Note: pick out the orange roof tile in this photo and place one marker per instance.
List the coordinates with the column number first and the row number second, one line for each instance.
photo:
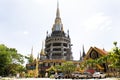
column 102, row 51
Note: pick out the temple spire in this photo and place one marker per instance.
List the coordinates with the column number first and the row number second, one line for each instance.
column 83, row 51
column 42, row 50
column 31, row 60
column 38, row 56
column 57, row 26
column 42, row 53
column 42, row 44
column 58, row 12
column 31, row 52
column 80, row 57
column 68, row 33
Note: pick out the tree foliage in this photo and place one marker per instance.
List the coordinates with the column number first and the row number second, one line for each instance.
column 115, row 56
column 58, row 67
column 68, row 67
column 10, row 61
column 30, row 58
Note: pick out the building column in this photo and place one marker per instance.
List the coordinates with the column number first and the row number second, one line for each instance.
column 62, row 49
column 51, row 50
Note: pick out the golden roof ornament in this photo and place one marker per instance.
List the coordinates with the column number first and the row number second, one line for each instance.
column 42, row 50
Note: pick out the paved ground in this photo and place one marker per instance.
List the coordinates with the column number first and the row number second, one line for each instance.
column 54, row 79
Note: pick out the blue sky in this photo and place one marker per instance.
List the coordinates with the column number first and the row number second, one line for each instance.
column 23, row 23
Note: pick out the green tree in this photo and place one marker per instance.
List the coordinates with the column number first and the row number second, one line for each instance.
column 10, row 60
column 58, row 68
column 112, row 59
column 30, row 59
column 91, row 63
column 115, row 57
column 68, row 67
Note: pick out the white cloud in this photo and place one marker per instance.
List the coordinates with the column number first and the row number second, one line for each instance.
column 99, row 21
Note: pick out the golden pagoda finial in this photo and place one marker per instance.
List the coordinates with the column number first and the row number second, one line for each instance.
column 42, row 50
column 38, row 56
column 31, row 60
column 58, row 26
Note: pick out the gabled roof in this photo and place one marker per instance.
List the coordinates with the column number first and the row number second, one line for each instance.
column 102, row 51
column 98, row 50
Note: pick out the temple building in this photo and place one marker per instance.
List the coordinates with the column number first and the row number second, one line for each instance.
column 56, row 49
column 95, row 53
column 58, row 43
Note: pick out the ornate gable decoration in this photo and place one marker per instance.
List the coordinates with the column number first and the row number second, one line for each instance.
column 95, row 53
